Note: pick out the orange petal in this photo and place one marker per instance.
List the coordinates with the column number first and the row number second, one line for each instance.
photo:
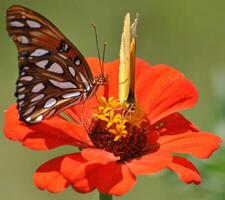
column 48, row 176
column 111, row 178
column 174, row 124
column 98, row 155
column 112, row 70
column 79, row 172
column 114, row 178
column 162, row 90
column 94, row 65
column 171, row 125
column 198, row 144
column 49, row 134
column 141, row 67
column 149, row 164
column 187, row 172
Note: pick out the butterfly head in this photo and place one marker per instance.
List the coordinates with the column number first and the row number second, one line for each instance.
column 101, row 79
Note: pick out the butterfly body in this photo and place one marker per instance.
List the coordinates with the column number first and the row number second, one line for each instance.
column 53, row 74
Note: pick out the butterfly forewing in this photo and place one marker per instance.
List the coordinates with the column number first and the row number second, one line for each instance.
column 53, row 74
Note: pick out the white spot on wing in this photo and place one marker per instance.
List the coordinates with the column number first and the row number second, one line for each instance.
column 21, row 96
column 20, row 84
column 29, row 110
column 38, row 97
column 22, row 73
column 26, row 78
column 66, row 47
column 33, row 24
column 84, row 80
column 23, row 39
column 21, row 103
column 38, row 87
column 39, row 118
column 72, row 71
column 39, row 52
column 11, row 17
column 70, row 95
column 42, row 63
column 16, row 24
column 77, row 61
column 28, row 119
column 55, row 67
column 51, row 102
column 21, row 89
column 63, row 85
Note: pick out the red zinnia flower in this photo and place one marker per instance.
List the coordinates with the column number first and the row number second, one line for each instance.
column 118, row 143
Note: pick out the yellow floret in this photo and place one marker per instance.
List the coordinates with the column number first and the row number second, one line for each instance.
column 112, row 112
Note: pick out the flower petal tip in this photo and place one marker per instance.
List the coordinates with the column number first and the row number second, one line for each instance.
column 186, row 171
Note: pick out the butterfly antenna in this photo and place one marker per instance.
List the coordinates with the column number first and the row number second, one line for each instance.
column 103, row 57
column 96, row 40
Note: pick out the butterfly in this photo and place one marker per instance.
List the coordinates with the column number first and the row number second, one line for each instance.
column 53, row 74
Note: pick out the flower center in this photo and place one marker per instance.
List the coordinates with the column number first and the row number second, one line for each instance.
column 119, row 128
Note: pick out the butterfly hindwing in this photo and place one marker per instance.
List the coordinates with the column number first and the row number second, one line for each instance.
column 53, row 73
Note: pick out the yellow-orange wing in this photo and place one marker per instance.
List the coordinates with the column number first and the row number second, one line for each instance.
column 127, row 60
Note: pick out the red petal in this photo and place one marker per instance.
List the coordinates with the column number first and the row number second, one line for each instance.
column 48, row 176
column 171, row 125
column 114, row 178
column 56, row 174
column 162, row 90
column 174, row 124
column 150, row 163
column 85, row 176
column 98, row 155
column 185, row 169
column 198, row 144
column 46, row 135
column 79, row 172
column 94, row 65
column 141, row 67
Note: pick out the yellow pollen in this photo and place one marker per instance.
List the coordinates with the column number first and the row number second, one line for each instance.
column 117, row 115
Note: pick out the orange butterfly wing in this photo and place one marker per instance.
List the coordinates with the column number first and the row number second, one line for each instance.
column 53, row 73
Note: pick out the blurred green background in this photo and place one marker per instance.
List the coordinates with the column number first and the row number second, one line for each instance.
column 186, row 34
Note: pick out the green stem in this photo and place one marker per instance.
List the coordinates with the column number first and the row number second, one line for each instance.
column 103, row 196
